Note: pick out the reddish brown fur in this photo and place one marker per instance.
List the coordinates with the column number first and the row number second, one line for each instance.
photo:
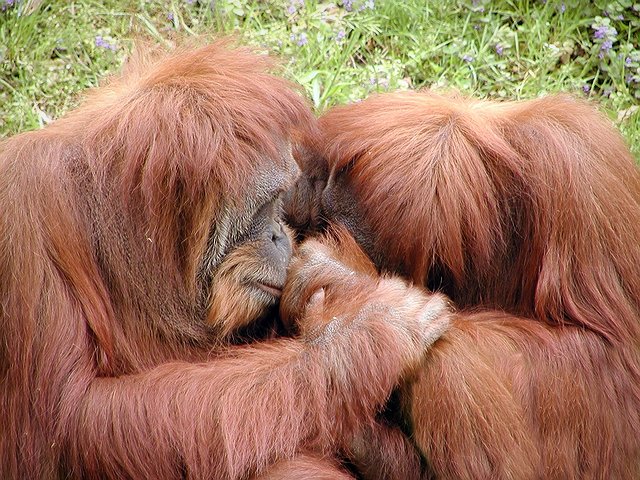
column 531, row 208
column 308, row 467
column 108, row 368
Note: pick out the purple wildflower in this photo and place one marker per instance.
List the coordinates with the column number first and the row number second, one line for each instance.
column 605, row 47
column 302, row 39
column 586, row 88
column 170, row 16
column 190, row 2
column 7, row 3
column 600, row 31
column 348, row 5
column 369, row 4
column 607, row 92
column 499, row 49
column 467, row 58
column 606, row 35
column 563, row 7
column 294, row 5
column 102, row 43
column 628, row 61
column 340, row 36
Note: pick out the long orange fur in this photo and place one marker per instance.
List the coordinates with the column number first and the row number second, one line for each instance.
column 109, row 367
column 527, row 214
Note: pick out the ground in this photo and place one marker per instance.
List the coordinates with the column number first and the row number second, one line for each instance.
column 339, row 51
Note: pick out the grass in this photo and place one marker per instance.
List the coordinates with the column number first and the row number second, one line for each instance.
column 339, row 51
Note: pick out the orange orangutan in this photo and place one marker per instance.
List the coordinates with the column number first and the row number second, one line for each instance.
column 141, row 245
column 527, row 215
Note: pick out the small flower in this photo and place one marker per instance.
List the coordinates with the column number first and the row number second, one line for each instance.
column 600, row 31
column 467, row 58
column 605, row 35
column 605, row 47
column 499, row 49
column 369, row 4
column 347, row 5
column 586, row 88
column 340, row 36
column 294, row 5
column 607, row 92
column 628, row 61
column 170, row 16
column 102, row 43
column 302, row 39
column 563, row 7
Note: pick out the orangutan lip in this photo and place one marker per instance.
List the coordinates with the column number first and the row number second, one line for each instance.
column 270, row 289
